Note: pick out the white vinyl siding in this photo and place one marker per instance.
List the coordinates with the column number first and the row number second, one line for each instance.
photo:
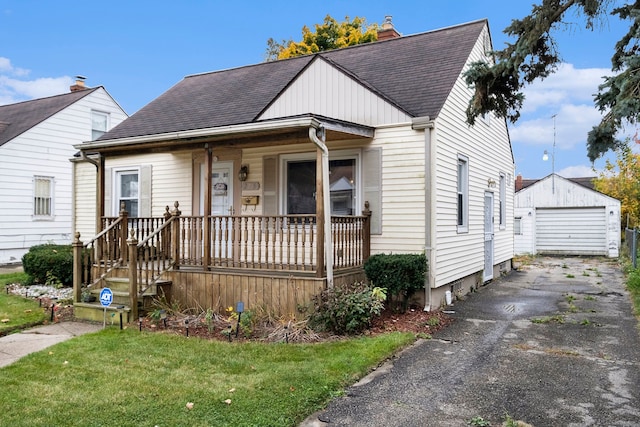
column 170, row 180
column 85, row 177
column 323, row 89
column 487, row 146
column 45, row 150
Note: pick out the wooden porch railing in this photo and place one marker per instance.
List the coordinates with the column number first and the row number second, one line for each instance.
column 287, row 243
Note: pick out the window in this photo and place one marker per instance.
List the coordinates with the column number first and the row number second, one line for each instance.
column 517, row 226
column 503, row 200
column 300, row 179
column 127, row 191
column 99, row 123
column 463, row 194
column 43, row 197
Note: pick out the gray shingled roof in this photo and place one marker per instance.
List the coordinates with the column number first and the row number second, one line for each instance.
column 18, row 118
column 415, row 73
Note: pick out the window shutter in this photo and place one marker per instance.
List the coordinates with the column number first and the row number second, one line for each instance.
column 270, row 185
column 144, row 195
column 108, row 203
column 372, row 171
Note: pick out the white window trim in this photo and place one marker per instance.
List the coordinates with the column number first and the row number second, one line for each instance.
column 464, row 227
column 333, row 155
column 502, row 201
column 107, row 124
column 116, row 188
column 51, row 215
column 517, row 231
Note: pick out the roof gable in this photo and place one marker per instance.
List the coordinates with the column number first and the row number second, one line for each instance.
column 413, row 73
column 324, row 89
column 15, row 119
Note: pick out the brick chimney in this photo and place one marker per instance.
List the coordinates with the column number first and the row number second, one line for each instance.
column 518, row 183
column 387, row 32
column 79, row 84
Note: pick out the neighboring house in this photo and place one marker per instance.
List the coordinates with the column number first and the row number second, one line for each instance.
column 560, row 216
column 265, row 159
column 36, row 143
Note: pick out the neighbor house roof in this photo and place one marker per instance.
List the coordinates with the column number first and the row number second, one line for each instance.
column 16, row 119
column 522, row 183
column 415, row 73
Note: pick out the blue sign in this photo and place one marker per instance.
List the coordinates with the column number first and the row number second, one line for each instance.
column 106, row 297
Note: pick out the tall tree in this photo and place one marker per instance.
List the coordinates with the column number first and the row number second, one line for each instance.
column 328, row 35
column 534, row 55
column 621, row 180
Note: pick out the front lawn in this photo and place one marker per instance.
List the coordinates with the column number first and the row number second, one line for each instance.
column 129, row 378
column 17, row 313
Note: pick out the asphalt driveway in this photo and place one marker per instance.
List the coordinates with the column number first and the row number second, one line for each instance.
column 554, row 344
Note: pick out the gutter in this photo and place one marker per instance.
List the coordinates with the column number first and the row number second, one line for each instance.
column 206, row 132
column 426, row 124
column 328, row 244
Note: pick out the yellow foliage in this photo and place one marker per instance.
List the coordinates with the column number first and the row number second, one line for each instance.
column 621, row 180
column 327, row 36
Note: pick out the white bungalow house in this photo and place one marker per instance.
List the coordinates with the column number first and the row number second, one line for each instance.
column 36, row 143
column 565, row 216
column 289, row 174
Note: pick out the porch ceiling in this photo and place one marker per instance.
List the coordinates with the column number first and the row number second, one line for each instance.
column 272, row 132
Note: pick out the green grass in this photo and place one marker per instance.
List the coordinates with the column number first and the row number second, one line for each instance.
column 128, row 378
column 17, row 313
column 10, row 278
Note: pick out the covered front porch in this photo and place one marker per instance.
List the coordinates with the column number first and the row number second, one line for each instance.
column 206, row 259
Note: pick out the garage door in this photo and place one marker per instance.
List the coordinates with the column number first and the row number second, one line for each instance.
column 571, row 231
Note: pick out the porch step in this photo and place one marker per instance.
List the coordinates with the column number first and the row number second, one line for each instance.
column 95, row 312
column 120, row 289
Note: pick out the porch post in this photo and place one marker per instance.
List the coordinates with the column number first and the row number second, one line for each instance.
column 132, row 244
column 320, row 255
column 77, row 267
column 366, row 232
column 175, row 235
column 206, row 255
column 124, row 230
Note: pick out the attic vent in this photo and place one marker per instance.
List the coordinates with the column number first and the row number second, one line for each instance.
column 3, row 126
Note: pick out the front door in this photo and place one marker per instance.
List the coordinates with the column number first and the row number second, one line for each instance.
column 221, row 207
column 488, row 236
column 221, row 189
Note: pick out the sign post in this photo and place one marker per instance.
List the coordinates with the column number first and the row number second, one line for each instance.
column 106, row 298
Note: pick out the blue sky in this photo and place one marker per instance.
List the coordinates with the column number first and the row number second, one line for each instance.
column 139, row 49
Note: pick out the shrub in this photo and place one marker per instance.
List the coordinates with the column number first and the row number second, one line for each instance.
column 401, row 274
column 49, row 264
column 347, row 309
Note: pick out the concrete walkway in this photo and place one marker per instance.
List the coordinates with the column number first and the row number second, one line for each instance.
column 15, row 346
column 555, row 344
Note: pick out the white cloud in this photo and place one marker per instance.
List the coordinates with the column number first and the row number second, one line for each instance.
column 14, row 87
column 567, row 94
column 578, row 171
column 7, row 68
column 566, row 85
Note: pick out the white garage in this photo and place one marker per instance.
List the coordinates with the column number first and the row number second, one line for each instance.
column 558, row 216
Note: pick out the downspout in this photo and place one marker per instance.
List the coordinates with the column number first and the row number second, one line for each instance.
column 426, row 124
column 84, row 157
column 328, row 244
